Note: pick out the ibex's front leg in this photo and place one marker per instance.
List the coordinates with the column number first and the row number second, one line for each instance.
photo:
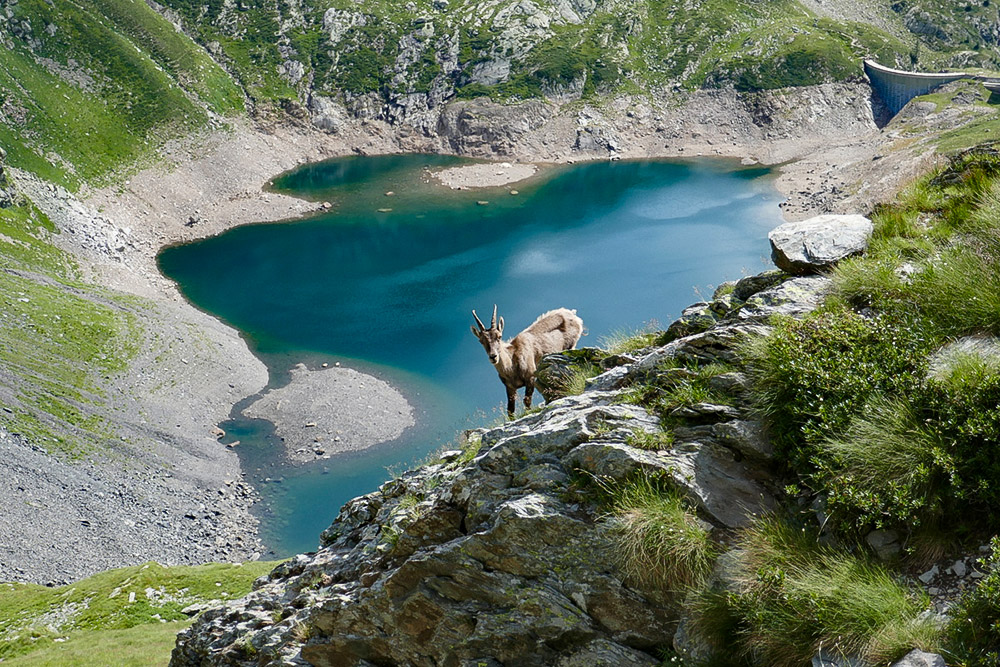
column 528, row 389
column 511, row 402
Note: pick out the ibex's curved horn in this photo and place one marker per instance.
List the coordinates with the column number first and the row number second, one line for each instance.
column 478, row 321
column 493, row 322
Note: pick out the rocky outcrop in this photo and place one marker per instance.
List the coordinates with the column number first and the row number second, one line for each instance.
column 502, row 553
column 480, row 127
column 812, row 245
column 6, row 195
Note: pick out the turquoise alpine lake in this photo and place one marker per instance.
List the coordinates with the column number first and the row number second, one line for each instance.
column 386, row 279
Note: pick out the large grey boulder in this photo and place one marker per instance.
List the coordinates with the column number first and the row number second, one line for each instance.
column 809, row 246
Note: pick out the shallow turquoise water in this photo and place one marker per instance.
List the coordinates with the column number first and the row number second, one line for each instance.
column 391, row 292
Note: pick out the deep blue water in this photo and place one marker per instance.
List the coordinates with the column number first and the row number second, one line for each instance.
column 391, row 292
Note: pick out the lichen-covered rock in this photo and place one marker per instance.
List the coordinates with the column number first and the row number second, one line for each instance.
column 809, row 246
column 793, row 298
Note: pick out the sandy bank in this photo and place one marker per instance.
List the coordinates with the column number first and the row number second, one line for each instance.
column 484, row 175
column 329, row 411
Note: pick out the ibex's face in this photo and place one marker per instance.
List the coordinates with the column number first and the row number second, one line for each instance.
column 490, row 338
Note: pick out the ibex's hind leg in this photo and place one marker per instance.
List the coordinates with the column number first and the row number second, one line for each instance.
column 528, row 389
column 511, row 402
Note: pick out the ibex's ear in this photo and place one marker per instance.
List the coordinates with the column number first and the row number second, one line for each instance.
column 474, row 331
column 500, row 326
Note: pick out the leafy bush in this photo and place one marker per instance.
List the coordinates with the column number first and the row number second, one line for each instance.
column 964, row 413
column 911, row 461
column 787, row 597
column 811, row 376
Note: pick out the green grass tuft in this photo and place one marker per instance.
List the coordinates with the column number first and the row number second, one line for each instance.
column 661, row 542
column 625, row 341
column 888, row 466
column 789, row 598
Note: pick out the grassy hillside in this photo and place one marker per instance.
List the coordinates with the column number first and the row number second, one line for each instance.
column 59, row 337
column 128, row 616
column 87, row 88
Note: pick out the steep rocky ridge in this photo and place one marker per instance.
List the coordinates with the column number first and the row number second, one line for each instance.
column 502, row 553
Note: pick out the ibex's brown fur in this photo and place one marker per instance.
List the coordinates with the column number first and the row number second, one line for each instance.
column 516, row 361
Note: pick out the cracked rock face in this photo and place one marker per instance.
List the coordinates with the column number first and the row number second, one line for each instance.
column 496, row 560
column 490, row 560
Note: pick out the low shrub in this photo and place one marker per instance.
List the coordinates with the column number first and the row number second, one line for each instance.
column 787, row 598
column 811, row 376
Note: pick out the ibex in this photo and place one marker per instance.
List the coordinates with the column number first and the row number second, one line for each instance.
column 554, row 331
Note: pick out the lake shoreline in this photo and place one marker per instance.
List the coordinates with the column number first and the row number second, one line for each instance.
column 217, row 180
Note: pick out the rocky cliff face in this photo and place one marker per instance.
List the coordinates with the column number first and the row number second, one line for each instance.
column 502, row 552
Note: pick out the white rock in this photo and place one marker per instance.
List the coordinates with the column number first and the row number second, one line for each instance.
column 808, row 246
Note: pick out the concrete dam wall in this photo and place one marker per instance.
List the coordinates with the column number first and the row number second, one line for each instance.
column 897, row 87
